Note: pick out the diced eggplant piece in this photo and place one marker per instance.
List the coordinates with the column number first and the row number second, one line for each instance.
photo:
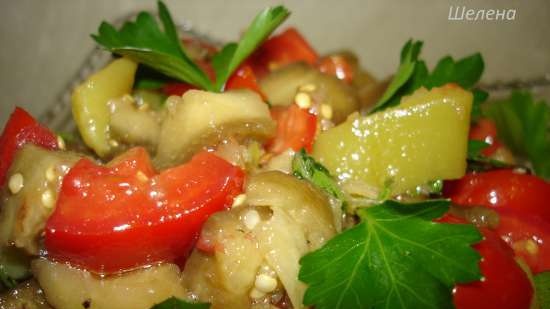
column 282, row 85
column 282, row 219
column 34, row 180
column 27, row 295
column 132, row 125
column 69, row 288
column 201, row 119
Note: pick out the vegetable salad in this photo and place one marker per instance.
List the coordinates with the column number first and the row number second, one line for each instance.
column 261, row 174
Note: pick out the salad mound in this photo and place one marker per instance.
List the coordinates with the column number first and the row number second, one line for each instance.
column 260, row 174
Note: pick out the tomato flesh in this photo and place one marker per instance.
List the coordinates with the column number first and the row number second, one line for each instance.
column 123, row 215
column 337, row 66
column 485, row 130
column 502, row 190
column 287, row 47
column 244, row 78
column 22, row 129
column 504, row 286
column 523, row 204
column 296, row 129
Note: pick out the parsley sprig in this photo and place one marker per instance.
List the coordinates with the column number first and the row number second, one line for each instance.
column 305, row 167
column 143, row 41
column 413, row 73
column 523, row 124
column 395, row 258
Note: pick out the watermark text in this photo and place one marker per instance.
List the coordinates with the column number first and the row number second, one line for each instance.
column 461, row 13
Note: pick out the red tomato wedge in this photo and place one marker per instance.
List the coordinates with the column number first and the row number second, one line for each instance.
column 502, row 190
column 337, row 66
column 485, row 130
column 523, row 204
column 529, row 237
column 504, row 286
column 287, row 47
column 244, row 78
column 123, row 215
column 296, row 129
column 22, row 129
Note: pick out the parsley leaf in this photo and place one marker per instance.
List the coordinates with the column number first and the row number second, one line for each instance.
column 475, row 148
column 232, row 54
column 395, row 258
column 305, row 167
column 523, row 124
column 542, row 287
column 175, row 303
column 409, row 55
column 480, row 96
column 413, row 74
column 477, row 161
column 144, row 42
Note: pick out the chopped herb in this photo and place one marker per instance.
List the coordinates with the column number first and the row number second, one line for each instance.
column 143, row 41
column 233, row 54
column 395, row 258
column 305, row 167
column 413, row 74
column 523, row 125
column 409, row 56
column 175, row 303
column 477, row 161
column 475, row 148
column 542, row 289
column 480, row 96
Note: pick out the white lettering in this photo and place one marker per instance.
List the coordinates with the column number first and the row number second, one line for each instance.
column 463, row 13
column 489, row 15
column 511, row 17
column 500, row 14
column 480, row 15
column 470, row 14
column 456, row 14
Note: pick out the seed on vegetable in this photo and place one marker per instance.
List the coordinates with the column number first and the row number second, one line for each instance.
column 113, row 143
column 307, row 88
column 255, row 294
column 47, row 199
column 142, row 177
column 143, row 107
column 61, row 143
column 50, row 173
column 250, row 219
column 239, row 200
column 265, row 283
column 326, row 111
column 303, row 100
column 16, row 183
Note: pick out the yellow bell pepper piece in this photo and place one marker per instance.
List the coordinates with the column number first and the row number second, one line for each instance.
column 423, row 139
column 89, row 102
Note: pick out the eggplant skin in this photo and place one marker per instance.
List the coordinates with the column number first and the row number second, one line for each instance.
column 66, row 287
column 201, row 119
column 282, row 85
column 23, row 215
column 293, row 218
